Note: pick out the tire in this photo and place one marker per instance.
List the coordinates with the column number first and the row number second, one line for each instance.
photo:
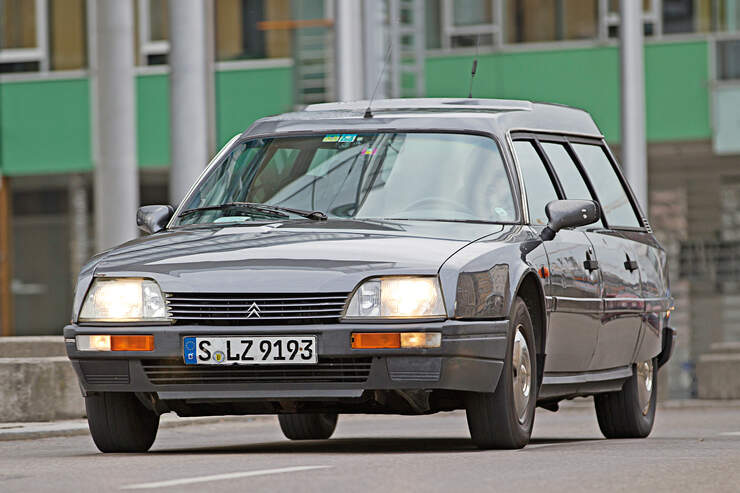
column 493, row 418
column 623, row 414
column 308, row 426
column 119, row 422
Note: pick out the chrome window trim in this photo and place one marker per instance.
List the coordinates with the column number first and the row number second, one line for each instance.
column 522, row 190
column 216, row 159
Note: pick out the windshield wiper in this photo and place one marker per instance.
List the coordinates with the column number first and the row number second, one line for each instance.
column 272, row 209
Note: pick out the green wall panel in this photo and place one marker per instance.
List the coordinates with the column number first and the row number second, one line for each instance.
column 44, row 127
column 242, row 96
column 45, row 124
column 153, row 117
column 676, row 91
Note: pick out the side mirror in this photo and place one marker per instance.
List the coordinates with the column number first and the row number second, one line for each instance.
column 569, row 214
column 153, row 218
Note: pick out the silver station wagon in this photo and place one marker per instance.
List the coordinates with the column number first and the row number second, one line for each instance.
column 422, row 255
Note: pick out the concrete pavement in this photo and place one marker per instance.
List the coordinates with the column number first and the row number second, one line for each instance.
column 691, row 448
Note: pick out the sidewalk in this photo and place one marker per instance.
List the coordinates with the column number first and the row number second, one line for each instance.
column 30, row 431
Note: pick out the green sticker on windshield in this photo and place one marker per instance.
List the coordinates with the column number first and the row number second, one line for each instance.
column 331, row 138
column 348, row 138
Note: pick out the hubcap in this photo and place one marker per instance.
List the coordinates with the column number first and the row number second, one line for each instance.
column 521, row 374
column 644, row 385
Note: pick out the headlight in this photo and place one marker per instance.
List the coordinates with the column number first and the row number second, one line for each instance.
column 397, row 297
column 123, row 300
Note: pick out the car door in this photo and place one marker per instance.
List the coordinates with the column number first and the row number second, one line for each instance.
column 620, row 314
column 573, row 290
column 618, row 257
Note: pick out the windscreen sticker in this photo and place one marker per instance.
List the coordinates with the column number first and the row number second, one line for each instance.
column 331, row 138
column 369, row 152
column 348, row 138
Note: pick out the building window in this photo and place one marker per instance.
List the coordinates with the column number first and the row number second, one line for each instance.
column 547, row 20
column 22, row 45
column 728, row 59
column 469, row 23
column 42, row 35
column 247, row 29
column 153, row 32
column 67, row 34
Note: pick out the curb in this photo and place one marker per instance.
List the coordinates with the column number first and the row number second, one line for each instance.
column 32, row 431
column 580, row 403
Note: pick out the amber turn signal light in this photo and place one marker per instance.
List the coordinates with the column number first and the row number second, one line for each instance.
column 376, row 340
column 395, row 340
column 132, row 343
column 115, row 343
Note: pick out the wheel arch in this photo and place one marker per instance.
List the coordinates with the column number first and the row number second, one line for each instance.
column 531, row 291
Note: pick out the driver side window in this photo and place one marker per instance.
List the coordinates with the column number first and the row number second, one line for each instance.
column 537, row 182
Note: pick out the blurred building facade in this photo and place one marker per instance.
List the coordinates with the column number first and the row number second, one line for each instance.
column 275, row 55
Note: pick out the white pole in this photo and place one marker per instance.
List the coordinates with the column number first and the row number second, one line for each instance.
column 373, row 34
column 189, row 90
column 634, row 147
column 116, row 173
column 349, row 51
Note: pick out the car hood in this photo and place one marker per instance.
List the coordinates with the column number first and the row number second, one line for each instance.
column 296, row 256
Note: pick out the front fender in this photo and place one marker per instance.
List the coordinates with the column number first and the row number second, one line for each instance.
column 481, row 280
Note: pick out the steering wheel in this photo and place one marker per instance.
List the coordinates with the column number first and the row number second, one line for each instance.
column 426, row 202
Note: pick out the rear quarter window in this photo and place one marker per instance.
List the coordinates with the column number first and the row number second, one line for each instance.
column 613, row 197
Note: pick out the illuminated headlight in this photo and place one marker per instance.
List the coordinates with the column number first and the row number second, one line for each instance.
column 397, row 297
column 123, row 300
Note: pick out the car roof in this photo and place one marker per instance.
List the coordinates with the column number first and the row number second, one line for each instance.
column 496, row 116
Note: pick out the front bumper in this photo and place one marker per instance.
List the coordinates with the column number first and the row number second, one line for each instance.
column 470, row 358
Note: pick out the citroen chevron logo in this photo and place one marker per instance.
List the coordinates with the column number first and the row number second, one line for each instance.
column 254, row 311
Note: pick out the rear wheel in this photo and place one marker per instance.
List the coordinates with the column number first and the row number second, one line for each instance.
column 630, row 413
column 119, row 422
column 319, row 426
column 504, row 419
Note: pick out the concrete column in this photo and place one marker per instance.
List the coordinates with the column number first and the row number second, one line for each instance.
column 373, row 39
column 189, row 90
column 348, row 36
column 114, row 111
column 6, row 259
column 78, row 224
column 634, row 150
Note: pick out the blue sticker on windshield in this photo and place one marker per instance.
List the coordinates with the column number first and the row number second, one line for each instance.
column 331, row 138
column 348, row 138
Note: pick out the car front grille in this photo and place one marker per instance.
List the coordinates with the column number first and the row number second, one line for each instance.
column 333, row 370
column 255, row 309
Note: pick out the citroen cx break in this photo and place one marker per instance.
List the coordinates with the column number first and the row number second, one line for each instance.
column 418, row 256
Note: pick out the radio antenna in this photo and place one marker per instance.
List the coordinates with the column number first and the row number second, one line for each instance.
column 475, row 67
column 368, row 111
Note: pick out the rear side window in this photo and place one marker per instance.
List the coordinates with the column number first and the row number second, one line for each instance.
column 537, row 182
column 612, row 195
column 567, row 171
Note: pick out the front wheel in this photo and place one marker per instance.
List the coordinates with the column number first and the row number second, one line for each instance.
column 504, row 419
column 119, row 422
column 630, row 413
column 319, row 426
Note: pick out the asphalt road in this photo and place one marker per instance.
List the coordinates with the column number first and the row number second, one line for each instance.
column 690, row 449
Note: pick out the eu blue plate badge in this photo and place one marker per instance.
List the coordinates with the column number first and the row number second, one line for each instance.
column 188, row 345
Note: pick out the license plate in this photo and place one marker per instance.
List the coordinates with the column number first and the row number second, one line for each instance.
column 250, row 350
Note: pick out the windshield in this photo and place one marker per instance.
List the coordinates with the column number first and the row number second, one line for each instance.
column 360, row 176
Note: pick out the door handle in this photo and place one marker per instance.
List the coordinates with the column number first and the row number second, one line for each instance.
column 590, row 264
column 629, row 264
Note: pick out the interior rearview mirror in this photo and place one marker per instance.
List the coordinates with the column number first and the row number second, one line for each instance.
column 153, row 218
column 569, row 214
